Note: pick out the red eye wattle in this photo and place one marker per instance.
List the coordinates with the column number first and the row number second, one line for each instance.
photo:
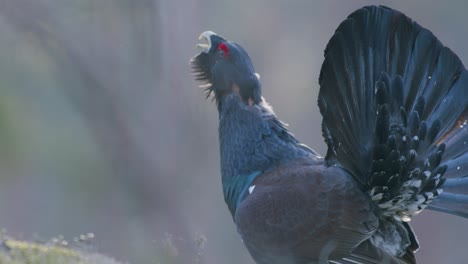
column 224, row 48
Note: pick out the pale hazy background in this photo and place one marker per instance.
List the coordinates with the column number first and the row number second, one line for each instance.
column 103, row 130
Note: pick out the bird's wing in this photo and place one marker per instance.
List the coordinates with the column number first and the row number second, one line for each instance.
column 394, row 103
column 366, row 253
column 305, row 211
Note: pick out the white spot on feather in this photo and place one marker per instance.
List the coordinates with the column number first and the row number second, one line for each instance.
column 251, row 188
column 386, row 205
column 427, row 174
column 429, row 195
column 420, row 198
column 405, row 218
column 377, row 197
column 464, row 123
column 413, row 183
column 205, row 85
column 427, row 163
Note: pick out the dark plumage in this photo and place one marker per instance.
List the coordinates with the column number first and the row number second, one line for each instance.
column 394, row 103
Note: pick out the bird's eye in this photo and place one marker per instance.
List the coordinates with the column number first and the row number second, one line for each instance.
column 224, row 48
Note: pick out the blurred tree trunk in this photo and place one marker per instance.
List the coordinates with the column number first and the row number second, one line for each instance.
column 102, row 92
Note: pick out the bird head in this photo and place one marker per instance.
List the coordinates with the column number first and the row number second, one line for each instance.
column 224, row 69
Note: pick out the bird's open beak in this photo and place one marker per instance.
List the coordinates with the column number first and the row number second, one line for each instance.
column 207, row 36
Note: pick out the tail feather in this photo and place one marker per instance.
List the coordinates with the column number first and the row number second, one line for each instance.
column 456, row 138
column 454, row 198
column 456, row 168
column 457, row 185
column 394, row 102
column 451, row 203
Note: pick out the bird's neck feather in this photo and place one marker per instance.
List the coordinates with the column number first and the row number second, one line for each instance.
column 241, row 131
column 252, row 140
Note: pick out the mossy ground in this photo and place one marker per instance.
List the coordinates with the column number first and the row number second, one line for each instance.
column 14, row 251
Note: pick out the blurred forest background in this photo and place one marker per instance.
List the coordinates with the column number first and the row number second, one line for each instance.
column 103, row 130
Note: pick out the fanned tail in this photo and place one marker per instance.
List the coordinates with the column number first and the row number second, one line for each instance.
column 394, row 102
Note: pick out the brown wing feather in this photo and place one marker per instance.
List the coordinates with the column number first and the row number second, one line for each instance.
column 306, row 212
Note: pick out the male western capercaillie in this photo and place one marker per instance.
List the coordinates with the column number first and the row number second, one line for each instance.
column 394, row 103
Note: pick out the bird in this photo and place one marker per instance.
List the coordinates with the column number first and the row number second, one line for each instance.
column 394, row 102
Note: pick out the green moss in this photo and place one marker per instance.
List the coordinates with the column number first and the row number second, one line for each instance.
column 22, row 252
